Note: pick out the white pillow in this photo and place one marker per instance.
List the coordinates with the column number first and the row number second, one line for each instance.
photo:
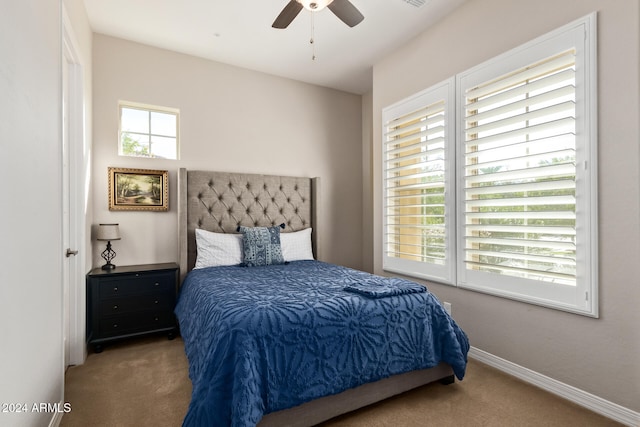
column 296, row 246
column 218, row 249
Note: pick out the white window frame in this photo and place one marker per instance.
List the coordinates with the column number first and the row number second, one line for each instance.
column 583, row 297
column 149, row 109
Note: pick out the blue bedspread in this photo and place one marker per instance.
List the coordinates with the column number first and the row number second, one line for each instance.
column 262, row 339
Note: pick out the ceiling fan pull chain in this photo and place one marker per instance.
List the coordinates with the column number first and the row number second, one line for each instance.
column 312, row 41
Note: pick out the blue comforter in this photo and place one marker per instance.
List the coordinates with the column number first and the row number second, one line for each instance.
column 262, row 339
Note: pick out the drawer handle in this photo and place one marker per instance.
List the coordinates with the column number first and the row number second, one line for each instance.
column 156, row 301
column 156, row 284
column 115, row 307
column 157, row 319
column 115, row 289
column 115, row 325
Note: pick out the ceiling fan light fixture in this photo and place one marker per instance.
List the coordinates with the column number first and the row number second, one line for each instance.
column 343, row 9
column 314, row 5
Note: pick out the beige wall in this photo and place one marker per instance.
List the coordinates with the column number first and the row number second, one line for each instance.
column 367, row 182
column 234, row 120
column 600, row 356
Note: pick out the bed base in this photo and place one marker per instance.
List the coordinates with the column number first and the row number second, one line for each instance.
column 325, row 408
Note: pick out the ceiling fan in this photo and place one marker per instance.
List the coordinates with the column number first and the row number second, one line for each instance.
column 343, row 9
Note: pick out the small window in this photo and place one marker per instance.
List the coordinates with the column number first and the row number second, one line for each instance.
column 148, row 131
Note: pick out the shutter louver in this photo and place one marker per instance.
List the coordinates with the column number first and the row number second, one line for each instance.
column 520, row 173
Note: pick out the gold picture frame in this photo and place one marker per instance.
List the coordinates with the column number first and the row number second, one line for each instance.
column 138, row 189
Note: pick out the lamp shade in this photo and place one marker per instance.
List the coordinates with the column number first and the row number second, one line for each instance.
column 108, row 232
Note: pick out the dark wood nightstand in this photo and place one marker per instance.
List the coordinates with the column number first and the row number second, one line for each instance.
column 129, row 301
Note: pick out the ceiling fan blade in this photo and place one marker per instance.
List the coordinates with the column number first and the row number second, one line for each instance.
column 346, row 11
column 287, row 15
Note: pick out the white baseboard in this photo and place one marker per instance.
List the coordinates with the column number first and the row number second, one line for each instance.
column 594, row 403
column 56, row 420
column 57, row 415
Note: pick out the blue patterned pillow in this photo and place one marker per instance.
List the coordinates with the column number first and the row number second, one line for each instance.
column 261, row 246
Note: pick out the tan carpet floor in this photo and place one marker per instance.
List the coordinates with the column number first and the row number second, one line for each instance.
column 144, row 382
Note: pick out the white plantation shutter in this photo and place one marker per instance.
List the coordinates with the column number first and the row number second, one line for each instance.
column 525, row 193
column 519, row 186
column 506, row 205
column 417, row 153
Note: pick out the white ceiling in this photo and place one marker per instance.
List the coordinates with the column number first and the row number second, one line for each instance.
column 239, row 32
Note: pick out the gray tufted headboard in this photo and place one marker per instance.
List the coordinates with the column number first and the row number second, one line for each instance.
column 221, row 201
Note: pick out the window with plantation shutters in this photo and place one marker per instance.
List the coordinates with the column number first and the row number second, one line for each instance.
column 507, row 203
column 526, row 174
column 417, row 152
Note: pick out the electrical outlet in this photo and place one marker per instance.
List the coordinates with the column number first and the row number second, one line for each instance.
column 447, row 307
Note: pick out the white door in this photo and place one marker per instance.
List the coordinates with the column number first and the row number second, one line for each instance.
column 65, row 210
column 73, row 223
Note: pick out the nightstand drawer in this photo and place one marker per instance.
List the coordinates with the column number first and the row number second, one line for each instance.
column 136, row 303
column 135, row 284
column 135, row 322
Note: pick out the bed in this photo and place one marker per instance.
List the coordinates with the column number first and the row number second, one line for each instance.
column 294, row 343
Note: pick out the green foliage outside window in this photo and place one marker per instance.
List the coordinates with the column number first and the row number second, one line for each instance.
column 131, row 147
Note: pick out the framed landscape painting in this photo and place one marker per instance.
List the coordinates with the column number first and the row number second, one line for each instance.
column 138, row 189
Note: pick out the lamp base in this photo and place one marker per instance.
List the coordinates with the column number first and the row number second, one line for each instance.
column 108, row 254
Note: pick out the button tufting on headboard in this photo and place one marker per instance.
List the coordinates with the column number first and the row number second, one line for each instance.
column 220, row 202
